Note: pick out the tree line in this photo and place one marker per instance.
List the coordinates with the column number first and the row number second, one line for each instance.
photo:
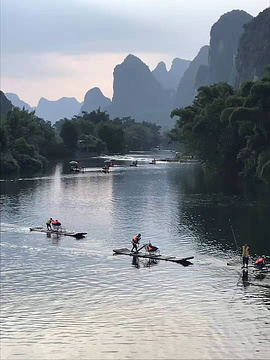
column 96, row 132
column 28, row 142
column 229, row 130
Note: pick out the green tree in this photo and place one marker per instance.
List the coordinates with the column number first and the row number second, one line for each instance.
column 227, row 130
column 69, row 134
column 112, row 135
column 3, row 139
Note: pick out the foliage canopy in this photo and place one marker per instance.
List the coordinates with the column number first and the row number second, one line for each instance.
column 229, row 130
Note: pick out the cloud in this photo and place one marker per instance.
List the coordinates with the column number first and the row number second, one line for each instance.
column 56, row 48
column 72, row 27
column 102, row 26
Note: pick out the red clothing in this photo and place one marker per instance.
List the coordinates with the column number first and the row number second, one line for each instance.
column 55, row 222
column 260, row 261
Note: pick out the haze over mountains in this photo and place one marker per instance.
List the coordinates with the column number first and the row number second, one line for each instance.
column 16, row 101
column 170, row 79
column 224, row 40
column 186, row 90
column 59, row 109
column 239, row 49
column 138, row 94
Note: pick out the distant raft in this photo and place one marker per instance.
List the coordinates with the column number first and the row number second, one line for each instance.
column 77, row 235
column 182, row 261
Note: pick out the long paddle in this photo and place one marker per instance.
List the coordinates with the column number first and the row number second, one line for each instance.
column 237, row 247
column 140, row 249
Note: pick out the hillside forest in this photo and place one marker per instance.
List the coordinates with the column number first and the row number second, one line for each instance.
column 229, row 130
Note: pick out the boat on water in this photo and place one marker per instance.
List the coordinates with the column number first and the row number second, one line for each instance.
column 74, row 170
column 105, row 169
column 74, row 167
column 147, row 255
column 134, row 163
column 109, row 163
column 77, row 235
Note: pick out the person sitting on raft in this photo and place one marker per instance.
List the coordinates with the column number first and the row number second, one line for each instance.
column 260, row 263
column 56, row 225
column 48, row 223
column 151, row 248
column 135, row 242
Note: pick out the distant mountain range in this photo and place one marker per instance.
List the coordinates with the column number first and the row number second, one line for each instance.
column 64, row 107
column 186, row 90
column 17, row 102
column 239, row 49
column 138, row 94
column 59, row 109
column 224, row 40
column 94, row 99
column 170, row 79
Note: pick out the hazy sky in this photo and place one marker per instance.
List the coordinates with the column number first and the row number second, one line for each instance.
column 57, row 48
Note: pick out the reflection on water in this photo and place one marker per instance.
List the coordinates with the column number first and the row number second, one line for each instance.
column 210, row 206
column 64, row 298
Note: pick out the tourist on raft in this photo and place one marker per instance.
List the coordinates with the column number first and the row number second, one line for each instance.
column 56, row 224
column 48, row 223
column 135, row 242
column 151, row 248
column 260, row 263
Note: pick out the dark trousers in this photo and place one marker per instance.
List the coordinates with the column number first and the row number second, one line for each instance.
column 245, row 261
column 49, row 227
column 134, row 247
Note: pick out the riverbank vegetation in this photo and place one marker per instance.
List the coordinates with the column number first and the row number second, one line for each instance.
column 96, row 132
column 27, row 142
column 229, row 130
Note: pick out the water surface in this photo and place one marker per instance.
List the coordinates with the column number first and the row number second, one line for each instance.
column 64, row 298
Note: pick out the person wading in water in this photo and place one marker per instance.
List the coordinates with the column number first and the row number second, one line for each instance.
column 245, row 255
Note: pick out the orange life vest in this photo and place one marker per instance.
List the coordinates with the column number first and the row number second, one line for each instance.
column 135, row 239
column 56, row 222
column 260, row 261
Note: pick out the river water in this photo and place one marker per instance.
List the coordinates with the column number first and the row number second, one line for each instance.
column 63, row 298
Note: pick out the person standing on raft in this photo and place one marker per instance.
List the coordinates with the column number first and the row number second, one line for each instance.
column 245, row 255
column 48, row 224
column 135, row 242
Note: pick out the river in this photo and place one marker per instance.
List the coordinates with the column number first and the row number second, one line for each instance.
column 63, row 298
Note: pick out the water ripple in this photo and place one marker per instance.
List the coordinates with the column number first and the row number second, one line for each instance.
column 65, row 299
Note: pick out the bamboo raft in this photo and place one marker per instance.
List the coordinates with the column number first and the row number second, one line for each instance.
column 182, row 261
column 77, row 235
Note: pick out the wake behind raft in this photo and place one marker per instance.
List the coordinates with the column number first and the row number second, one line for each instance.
column 182, row 261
